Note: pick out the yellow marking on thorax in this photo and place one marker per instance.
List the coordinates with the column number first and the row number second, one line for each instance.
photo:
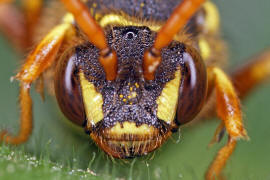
column 68, row 18
column 131, row 128
column 167, row 101
column 93, row 101
column 211, row 18
column 122, row 20
column 204, row 48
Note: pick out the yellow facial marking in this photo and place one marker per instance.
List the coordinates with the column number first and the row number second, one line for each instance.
column 211, row 18
column 124, row 21
column 137, row 85
column 204, row 48
column 167, row 101
column 93, row 101
column 131, row 128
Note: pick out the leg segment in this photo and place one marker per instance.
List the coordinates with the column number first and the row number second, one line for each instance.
column 43, row 55
column 219, row 133
column 220, row 160
column 229, row 111
column 26, row 118
column 36, row 63
column 250, row 75
column 244, row 79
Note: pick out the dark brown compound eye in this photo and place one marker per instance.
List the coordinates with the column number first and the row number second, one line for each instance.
column 67, row 88
column 193, row 89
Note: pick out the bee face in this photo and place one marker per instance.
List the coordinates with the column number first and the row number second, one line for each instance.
column 125, row 113
column 129, row 116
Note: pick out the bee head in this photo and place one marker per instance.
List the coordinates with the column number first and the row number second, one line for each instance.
column 130, row 116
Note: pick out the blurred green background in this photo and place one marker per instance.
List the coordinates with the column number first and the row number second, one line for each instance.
column 246, row 28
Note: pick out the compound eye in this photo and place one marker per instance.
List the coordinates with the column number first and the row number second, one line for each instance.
column 67, row 88
column 193, row 89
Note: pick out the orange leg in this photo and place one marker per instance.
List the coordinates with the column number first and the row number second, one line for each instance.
column 19, row 26
column 229, row 111
column 36, row 63
column 219, row 133
column 26, row 118
column 249, row 76
column 214, row 171
column 245, row 79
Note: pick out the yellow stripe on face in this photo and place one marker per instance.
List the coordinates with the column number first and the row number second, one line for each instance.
column 131, row 128
column 93, row 101
column 125, row 21
column 167, row 101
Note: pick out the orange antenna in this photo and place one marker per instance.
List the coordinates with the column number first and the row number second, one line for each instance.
column 108, row 57
column 179, row 18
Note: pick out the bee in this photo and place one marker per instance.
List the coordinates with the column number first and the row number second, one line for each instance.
column 132, row 72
